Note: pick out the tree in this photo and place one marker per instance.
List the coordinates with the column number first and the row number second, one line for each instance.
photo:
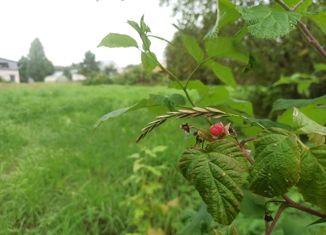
column 23, row 68
column 272, row 56
column 89, row 64
column 38, row 66
column 110, row 70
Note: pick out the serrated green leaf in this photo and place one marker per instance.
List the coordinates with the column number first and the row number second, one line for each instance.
column 269, row 23
column 171, row 101
column 228, row 13
column 145, row 28
column 307, row 125
column 208, row 95
column 319, row 19
column 229, row 147
column 113, row 40
column 312, row 184
column 281, row 104
column 217, row 177
column 226, row 47
column 193, row 48
column 142, row 29
column 146, row 42
column 277, row 165
column 222, row 72
column 149, row 61
column 135, row 25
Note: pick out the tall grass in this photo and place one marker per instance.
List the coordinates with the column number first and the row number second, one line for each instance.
column 58, row 175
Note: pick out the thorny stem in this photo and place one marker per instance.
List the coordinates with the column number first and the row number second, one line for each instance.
column 282, row 207
column 304, row 29
column 308, row 210
column 246, row 153
column 272, row 201
column 290, row 203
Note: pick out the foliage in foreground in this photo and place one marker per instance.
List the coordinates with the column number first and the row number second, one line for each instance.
column 277, row 159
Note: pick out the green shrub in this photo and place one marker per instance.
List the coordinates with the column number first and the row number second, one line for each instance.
column 97, row 79
column 135, row 74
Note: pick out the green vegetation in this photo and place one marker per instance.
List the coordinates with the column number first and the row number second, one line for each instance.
column 58, row 175
column 275, row 153
column 35, row 65
column 245, row 175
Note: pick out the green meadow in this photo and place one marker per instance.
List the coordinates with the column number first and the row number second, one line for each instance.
column 58, row 174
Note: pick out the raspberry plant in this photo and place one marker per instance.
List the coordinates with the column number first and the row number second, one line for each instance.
column 240, row 152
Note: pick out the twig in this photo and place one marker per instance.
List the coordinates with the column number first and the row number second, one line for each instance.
column 308, row 210
column 303, row 27
column 281, row 208
column 246, row 153
column 160, row 38
column 296, row 6
column 311, row 38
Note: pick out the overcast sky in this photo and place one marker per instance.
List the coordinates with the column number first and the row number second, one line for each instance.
column 68, row 28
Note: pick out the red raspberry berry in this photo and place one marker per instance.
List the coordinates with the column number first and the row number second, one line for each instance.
column 216, row 129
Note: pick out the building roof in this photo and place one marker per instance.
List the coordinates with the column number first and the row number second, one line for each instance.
column 12, row 61
column 6, row 64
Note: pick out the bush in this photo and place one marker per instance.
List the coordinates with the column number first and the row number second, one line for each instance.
column 97, row 79
column 134, row 74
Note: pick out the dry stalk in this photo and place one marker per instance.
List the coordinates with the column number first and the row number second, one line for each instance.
column 182, row 113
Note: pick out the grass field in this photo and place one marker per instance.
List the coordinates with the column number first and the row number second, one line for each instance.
column 58, row 175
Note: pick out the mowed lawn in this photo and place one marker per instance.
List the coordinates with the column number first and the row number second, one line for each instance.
column 58, row 175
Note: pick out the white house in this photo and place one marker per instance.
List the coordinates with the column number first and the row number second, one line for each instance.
column 76, row 77
column 56, row 77
column 9, row 71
